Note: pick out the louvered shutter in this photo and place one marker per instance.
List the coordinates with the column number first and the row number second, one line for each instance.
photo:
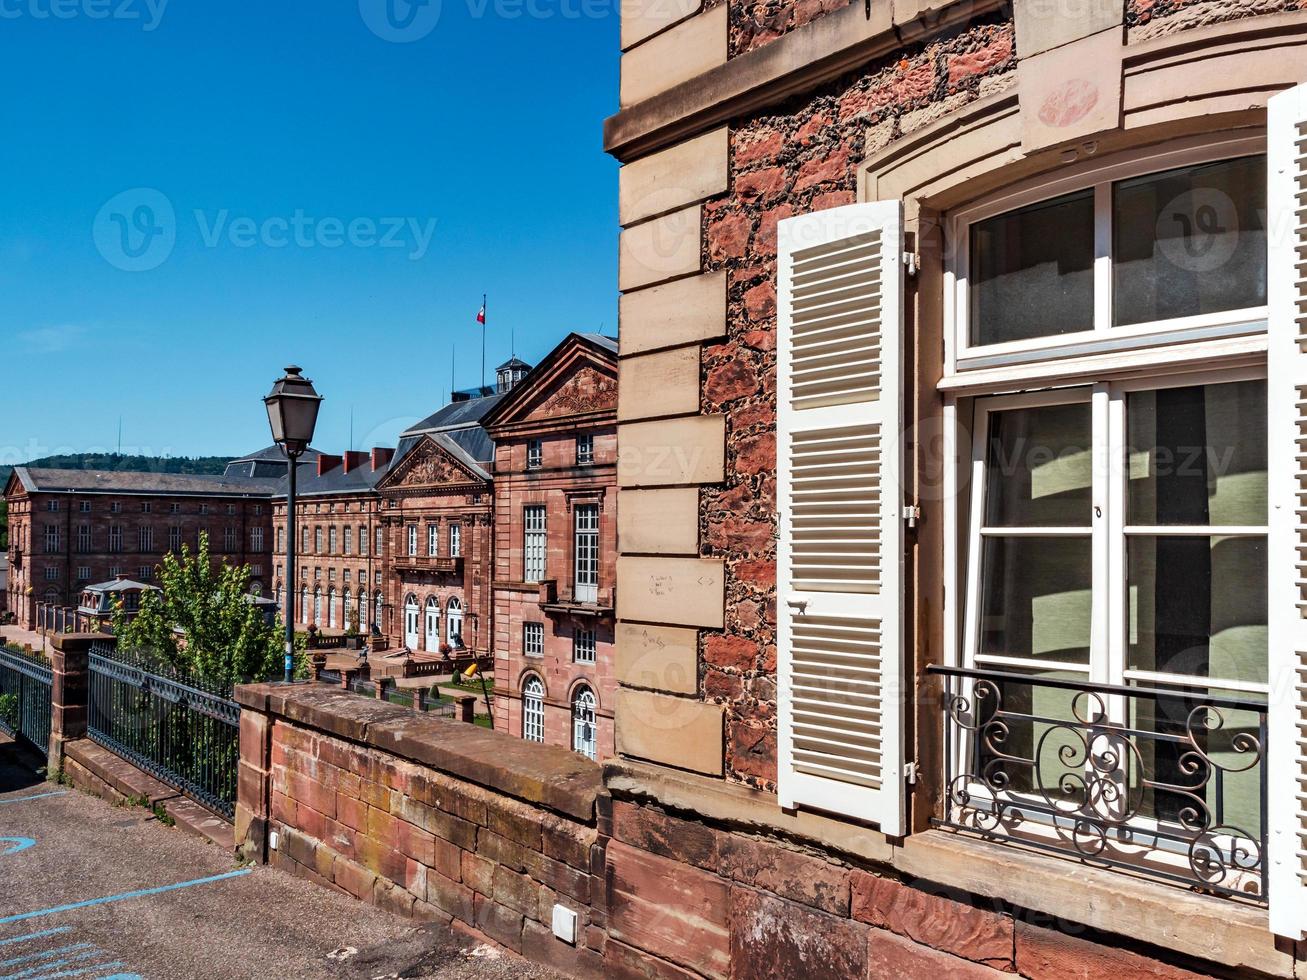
column 1287, row 475
column 839, row 558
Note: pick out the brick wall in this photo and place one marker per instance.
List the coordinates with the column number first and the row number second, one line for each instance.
column 425, row 817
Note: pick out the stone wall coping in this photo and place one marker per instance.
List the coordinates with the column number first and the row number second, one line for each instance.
column 78, row 641
column 1212, row 929
column 803, row 59
column 546, row 775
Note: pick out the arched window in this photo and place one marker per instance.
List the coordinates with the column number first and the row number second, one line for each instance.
column 304, row 603
column 454, row 623
column 317, row 605
column 584, row 737
column 344, row 605
column 432, row 624
column 331, row 607
column 376, row 616
column 533, row 710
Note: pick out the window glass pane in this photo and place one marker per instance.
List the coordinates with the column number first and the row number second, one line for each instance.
column 1198, row 455
column 1039, row 467
column 1036, row 598
column 1032, row 271
column 1198, row 606
column 1190, row 241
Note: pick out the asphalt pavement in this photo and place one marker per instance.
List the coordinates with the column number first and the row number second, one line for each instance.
column 102, row 892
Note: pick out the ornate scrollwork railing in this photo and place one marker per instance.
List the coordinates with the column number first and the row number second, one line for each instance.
column 1169, row 783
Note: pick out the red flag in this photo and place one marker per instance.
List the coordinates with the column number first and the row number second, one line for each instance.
column 481, row 315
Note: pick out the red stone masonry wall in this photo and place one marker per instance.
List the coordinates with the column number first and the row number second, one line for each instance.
column 689, row 899
column 425, row 817
column 755, row 23
column 785, row 164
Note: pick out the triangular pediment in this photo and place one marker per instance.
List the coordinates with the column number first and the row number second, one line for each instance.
column 429, row 466
column 579, row 377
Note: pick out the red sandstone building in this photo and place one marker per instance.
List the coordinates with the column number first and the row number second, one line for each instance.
column 555, row 542
column 71, row 528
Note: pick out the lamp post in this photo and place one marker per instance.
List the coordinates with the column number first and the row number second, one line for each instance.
column 293, row 414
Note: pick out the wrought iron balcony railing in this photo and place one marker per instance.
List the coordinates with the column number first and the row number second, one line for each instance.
column 1164, row 782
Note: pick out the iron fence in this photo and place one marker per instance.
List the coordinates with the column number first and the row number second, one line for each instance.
column 25, row 684
column 1166, row 782
column 183, row 730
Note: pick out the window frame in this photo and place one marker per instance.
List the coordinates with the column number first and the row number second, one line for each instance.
column 1109, row 533
column 532, row 534
column 534, row 630
column 962, row 357
column 533, row 709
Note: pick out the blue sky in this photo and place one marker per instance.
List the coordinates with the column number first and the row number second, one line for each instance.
column 194, row 193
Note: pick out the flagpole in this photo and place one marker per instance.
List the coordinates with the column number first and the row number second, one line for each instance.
column 483, row 340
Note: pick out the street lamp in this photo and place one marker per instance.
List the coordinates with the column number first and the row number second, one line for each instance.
column 292, row 413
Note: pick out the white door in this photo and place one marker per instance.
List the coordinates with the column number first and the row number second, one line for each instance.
column 454, row 626
column 587, row 553
column 411, row 623
column 433, row 624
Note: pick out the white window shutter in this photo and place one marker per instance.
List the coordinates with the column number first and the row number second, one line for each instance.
column 1286, row 202
column 839, row 558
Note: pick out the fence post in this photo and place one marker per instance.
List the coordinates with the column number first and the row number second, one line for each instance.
column 384, row 684
column 467, row 705
column 70, row 690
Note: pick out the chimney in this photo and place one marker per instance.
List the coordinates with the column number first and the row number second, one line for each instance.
column 327, row 463
column 354, row 459
column 380, row 458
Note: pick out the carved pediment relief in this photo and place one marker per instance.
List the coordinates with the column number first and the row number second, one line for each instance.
column 588, row 390
column 428, row 466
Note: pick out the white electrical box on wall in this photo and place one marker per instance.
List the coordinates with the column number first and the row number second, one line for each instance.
column 565, row 924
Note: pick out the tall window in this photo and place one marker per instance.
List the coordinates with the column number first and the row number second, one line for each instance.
column 533, row 551
column 378, row 606
column 584, row 739
column 349, row 540
column 533, row 710
column 174, row 539
column 304, row 540
column 115, row 538
column 331, row 540
column 585, row 449
column 587, row 553
column 256, row 539
column 317, row 606
column 412, row 540
column 433, row 540
column 363, row 540
column 533, row 639
column 145, row 539
column 381, row 542
column 317, row 540
column 583, row 646
column 535, row 454
column 52, row 539
column 454, row 622
column 229, row 539
column 84, row 538
column 455, row 540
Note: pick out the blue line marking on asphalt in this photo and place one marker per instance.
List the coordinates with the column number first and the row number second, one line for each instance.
column 28, row 957
column 38, row 796
column 35, row 935
column 20, row 844
column 33, row 970
column 89, row 969
column 142, row 893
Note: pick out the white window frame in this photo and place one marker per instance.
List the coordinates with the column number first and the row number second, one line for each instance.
column 583, row 646
column 533, row 709
column 585, row 549
column 533, row 640
column 585, row 722
column 535, row 454
column 1046, row 356
column 455, row 540
column 433, row 540
column 412, row 540
column 535, row 543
